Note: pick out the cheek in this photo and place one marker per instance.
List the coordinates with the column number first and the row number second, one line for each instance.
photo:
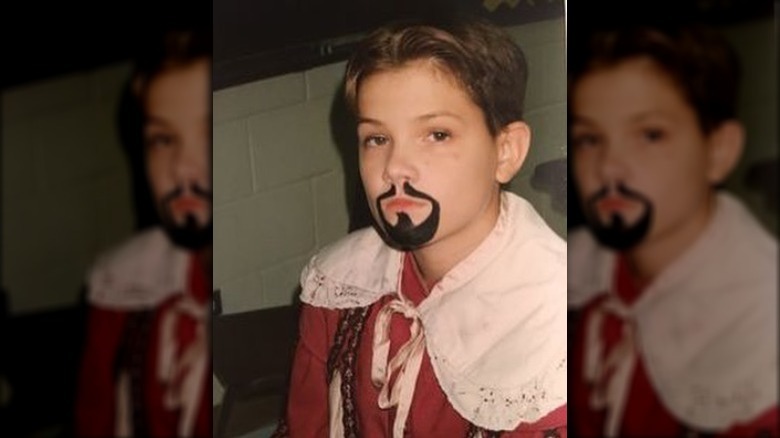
column 158, row 175
column 370, row 187
column 675, row 198
column 368, row 182
column 371, row 167
column 582, row 172
column 678, row 180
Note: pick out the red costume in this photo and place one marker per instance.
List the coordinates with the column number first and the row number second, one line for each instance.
column 146, row 368
column 358, row 367
column 706, row 326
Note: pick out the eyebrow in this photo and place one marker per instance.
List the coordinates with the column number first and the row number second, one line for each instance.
column 368, row 120
column 583, row 120
column 649, row 114
column 152, row 120
column 155, row 120
column 580, row 120
column 439, row 114
column 421, row 118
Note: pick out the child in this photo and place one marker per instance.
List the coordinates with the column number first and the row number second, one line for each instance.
column 447, row 318
column 146, row 363
column 676, row 280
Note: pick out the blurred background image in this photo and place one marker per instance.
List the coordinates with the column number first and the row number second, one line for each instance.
column 73, row 186
column 672, row 275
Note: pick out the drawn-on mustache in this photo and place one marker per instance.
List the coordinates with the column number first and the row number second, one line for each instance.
column 622, row 189
column 408, row 190
column 615, row 232
column 197, row 190
column 404, row 233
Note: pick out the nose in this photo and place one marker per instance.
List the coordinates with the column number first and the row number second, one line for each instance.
column 613, row 165
column 191, row 162
column 399, row 165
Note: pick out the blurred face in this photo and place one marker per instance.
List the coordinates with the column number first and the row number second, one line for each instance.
column 641, row 161
column 177, row 138
column 427, row 160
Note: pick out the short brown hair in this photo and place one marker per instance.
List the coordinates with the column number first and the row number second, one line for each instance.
column 481, row 57
column 169, row 48
column 699, row 60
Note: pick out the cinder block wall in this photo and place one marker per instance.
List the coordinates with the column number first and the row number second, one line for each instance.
column 65, row 185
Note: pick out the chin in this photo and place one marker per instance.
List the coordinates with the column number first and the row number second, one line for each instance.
column 201, row 220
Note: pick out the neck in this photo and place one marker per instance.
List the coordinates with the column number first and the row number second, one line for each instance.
column 438, row 258
column 648, row 260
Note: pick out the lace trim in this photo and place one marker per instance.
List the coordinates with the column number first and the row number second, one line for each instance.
column 319, row 290
column 282, row 430
column 505, row 409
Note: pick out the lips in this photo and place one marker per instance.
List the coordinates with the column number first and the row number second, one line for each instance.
column 187, row 203
column 612, row 204
column 401, row 204
column 604, row 212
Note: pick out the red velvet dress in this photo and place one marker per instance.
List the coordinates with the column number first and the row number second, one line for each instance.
column 121, row 339
column 430, row 415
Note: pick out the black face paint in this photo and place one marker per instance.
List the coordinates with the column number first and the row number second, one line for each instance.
column 617, row 234
column 404, row 234
column 190, row 235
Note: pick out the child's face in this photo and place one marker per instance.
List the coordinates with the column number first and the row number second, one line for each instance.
column 427, row 160
column 641, row 161
column 178, row 149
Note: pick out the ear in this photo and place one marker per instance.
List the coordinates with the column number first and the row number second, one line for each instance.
column 512, row 142
column 726, row 144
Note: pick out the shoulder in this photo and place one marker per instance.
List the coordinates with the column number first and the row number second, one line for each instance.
column 142, row 271
column 703, row 375
column 751, row 247
column 590, row 268
column 531, row 224
column 352, row 272
column 504, row 305
column 526, row 238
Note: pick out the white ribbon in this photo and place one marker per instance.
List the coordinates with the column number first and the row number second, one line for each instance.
column 183, row 376
column 406, row 361
column 336, row 411
column 611, row 377
column 123, row 424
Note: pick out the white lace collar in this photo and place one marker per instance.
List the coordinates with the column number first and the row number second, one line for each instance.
column 495, row 325
column 706, row 326
column 140, row 273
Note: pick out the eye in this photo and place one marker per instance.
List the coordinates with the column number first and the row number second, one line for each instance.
column 585, row 140
column 653, row 135
column 375, row 140
column 439, row 136
column 157, row 140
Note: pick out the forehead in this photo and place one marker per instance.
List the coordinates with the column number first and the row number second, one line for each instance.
column 415, row 83
column 179, row 91
column 626, row 88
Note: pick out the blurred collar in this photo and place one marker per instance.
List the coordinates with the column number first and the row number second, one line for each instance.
column 698, row 323
column 140, row 273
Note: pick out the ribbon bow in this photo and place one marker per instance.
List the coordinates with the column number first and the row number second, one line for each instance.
column 406, row 361
column 183, row 375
